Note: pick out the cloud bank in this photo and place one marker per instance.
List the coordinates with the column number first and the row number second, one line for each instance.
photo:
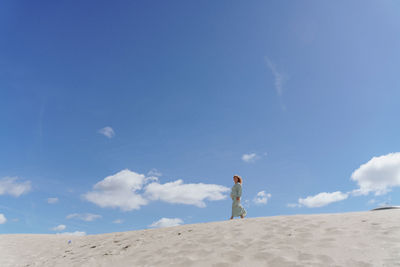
column 191, row 194
column 128, row 190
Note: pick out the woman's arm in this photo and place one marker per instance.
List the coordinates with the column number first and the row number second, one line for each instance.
column 238, row 192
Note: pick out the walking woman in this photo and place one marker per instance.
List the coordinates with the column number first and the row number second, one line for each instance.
column 237, row 208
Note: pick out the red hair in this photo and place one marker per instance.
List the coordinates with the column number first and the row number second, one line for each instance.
column 240, row 180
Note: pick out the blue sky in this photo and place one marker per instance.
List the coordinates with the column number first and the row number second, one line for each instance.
column 169, row 99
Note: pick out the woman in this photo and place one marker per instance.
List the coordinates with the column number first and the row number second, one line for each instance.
column 237, row 208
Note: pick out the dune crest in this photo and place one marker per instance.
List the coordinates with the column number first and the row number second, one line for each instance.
column 347, row 239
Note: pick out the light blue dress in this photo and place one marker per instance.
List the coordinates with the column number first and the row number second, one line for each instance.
column 237, row 208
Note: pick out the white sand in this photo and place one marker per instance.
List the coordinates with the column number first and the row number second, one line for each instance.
column 351, row 239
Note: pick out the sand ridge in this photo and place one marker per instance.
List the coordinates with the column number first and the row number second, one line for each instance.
column 348, row 239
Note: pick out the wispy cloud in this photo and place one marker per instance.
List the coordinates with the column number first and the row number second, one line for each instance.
column 87, row 217
column 52, row 200
column 60, row 227
column 118, row 221
column 262, row 198
column 107, row 132
column 249, row 157
column 154, row 172
column 280, row 77
column 3, row 218
column 252, row 157
column 12, row 186
column 166, row 222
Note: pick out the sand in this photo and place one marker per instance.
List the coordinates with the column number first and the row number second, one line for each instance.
column 349, row 239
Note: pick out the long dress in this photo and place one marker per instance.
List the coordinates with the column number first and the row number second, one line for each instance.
column 237, row 208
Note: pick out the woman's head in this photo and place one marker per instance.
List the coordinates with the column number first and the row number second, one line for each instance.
column 237, row 179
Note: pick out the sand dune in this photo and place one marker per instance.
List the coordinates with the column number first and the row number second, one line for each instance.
column 350, row 239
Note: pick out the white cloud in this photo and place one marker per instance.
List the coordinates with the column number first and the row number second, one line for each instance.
column 118, row 221
column 52, row 200
column 60, row 227
column 123, row 191
column 280, row 78
column 76, row 233
column 190, row 194
column 322, row 199
column 3, row 218
column 87, row 217
column 107, row 132
column 11, row 186
column 119, row 191
column 249, row 157
column 154, row 172
column 166, row 222
column 379, row 175
column 261, row 198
